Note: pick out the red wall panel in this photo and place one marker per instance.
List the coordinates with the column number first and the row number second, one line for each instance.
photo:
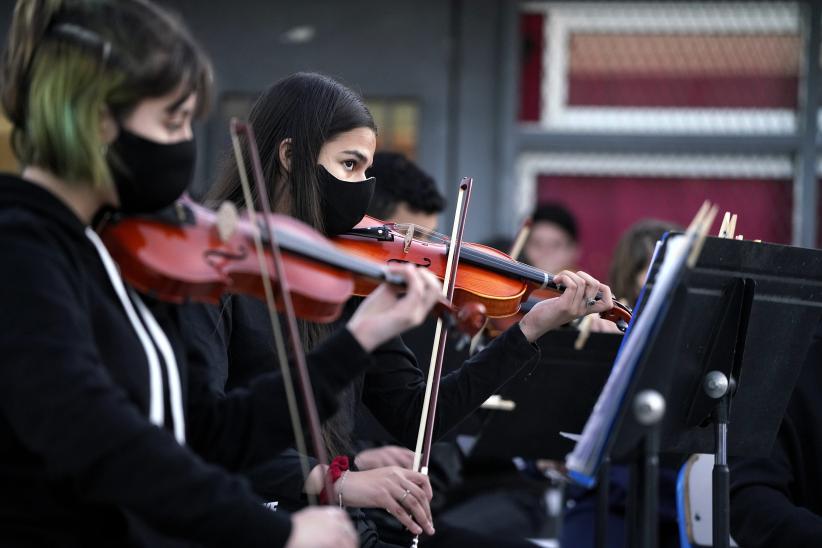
column 606, row 206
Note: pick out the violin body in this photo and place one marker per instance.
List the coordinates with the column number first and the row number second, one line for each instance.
column 485, row 275
column 196, row 254
column 191, row 258
column 500, row 295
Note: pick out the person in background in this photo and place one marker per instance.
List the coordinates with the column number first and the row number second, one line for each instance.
column 553, row 244
column 630, row 262
column 632, row 257
column 404, row 194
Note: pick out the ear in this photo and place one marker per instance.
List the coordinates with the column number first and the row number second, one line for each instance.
column 108, row 127
column 284, row 154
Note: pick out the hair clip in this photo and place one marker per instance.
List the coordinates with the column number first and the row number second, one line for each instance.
column 84, row 37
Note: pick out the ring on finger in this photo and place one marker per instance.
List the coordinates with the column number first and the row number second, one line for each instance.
column 402, row 498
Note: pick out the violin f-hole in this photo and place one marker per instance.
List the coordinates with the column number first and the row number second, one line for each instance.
column 217, row 257
column 426, row 262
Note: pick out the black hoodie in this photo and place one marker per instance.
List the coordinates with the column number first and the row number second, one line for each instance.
column 80, row 460
column 776, row 502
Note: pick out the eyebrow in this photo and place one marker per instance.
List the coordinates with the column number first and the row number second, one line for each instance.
column 172, row 108
column 360, row 156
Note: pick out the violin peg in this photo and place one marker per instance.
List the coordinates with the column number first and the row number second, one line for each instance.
column 227, row 219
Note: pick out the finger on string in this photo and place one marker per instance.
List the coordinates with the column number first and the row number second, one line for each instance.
column 591, row 288
column 607, row 296
column 575, row 287
column 565, row 279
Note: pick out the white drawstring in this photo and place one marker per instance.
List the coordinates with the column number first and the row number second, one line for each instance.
column 156, row 412
column 172, row 371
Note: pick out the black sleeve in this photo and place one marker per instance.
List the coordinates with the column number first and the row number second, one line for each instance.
column 763, row 511
column 394, row 387
column 281, row 479
column 65, row 408
column 777, row 501
column 247, row 426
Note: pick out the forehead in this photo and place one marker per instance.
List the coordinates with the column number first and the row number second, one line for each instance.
column 548, row 231
column 361, row 139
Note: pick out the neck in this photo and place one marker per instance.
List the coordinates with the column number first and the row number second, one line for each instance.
column 82, row 199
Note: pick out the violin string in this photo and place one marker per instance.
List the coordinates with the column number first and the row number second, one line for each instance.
column 501, row 265
column 328, row 255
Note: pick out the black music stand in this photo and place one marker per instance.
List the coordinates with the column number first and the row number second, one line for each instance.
column 727, row 351
column 552, row 396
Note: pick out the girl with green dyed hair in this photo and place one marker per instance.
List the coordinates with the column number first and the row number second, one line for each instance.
column 107, row 436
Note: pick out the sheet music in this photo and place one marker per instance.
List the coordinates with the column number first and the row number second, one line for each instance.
column 584, row 461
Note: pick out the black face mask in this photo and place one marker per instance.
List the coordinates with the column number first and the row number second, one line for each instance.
column 344, row 204
column 150, row 176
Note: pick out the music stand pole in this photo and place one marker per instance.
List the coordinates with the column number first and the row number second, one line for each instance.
column 603, row 504
column 718, row 387
column 648, row 409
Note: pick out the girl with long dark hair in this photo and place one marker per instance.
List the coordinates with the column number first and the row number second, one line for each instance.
column 105, row 438
column 317, row 139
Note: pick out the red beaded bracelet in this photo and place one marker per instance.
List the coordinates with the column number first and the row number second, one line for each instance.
column 335, row 470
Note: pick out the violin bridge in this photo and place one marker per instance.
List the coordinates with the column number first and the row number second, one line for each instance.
column 409, row 238
column 227, row 219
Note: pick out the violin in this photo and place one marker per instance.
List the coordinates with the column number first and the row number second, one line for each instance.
column 193, row 253
column 485, row 275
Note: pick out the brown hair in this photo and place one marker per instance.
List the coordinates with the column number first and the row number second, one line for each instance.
column 632, row 255
column 66, row 60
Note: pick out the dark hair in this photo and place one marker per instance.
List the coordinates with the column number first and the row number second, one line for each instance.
column 500, row 242
column 67, row 59
column 632, row 254
column 557, row 214
column 399, row 180
column 309, row 109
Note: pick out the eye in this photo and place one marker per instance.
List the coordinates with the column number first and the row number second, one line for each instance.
column 349, row 164
column 178, row 121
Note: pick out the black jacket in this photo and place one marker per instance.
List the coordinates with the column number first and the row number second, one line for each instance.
column 80, row 462
column 393, row 388
column 776, row 502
